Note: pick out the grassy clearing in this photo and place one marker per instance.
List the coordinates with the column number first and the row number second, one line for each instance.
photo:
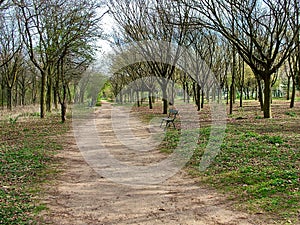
column 258, row 166
column 260, row 171
column 26, row 153
column 259, row 163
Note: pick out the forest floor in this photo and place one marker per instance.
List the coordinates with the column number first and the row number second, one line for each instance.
column 80, row 194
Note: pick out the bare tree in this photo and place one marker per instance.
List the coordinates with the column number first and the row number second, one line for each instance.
column 57, row 32
column 294, row 59
column 23, row 81
column 145, row 20
column 11, row 55
column 31, row 18
column 74, row 41
column 203, row 56
column 10, row 41
column 261, row 34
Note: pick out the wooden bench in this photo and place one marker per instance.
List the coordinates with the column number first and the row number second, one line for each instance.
column 170, row 119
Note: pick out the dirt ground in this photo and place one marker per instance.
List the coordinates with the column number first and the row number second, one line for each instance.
column 80, row 195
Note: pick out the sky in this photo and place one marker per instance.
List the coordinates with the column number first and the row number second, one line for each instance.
column 107, row 24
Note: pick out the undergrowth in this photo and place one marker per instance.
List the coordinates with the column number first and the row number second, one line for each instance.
column 26, row 153
column 258, row 165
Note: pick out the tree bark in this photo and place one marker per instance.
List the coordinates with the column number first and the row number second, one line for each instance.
column 23, row 95
column 187, row 92
column 232, row 86
column 2, row 94
column 49, row 93
column 184, row 92
column 138, row 98
column 9, row 98
column 150, row 100
column 55, row 100
column 260, row 94
column 288, row 88
column 231, row 99
column 242, row 81
column 199, row 96
column 202, row 99
column 197, row 100
column 165, row 101
column 241, row 97
column 227, row 96
column 292, row 103
column 43, row 95
column 63, row 112
column 267, row 97
column 16, row 99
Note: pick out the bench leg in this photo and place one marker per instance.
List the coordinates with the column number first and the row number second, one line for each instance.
column 161, row 123
column 167, row 123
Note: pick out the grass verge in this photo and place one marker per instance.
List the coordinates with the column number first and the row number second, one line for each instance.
column 259, row 171
column 26, row 155
column 258, row 165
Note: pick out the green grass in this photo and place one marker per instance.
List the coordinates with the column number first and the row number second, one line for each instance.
column 258, row 166
column 291, row 113
column 170, row 141
column 259, row 171
column 26, row 153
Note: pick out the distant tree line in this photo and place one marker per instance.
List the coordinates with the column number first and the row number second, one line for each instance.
column 248, row 45
column 45, row 48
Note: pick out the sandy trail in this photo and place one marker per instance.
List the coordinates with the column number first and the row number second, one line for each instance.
column 83, row 196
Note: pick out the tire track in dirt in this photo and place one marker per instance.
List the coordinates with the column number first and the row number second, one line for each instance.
column 82, row 196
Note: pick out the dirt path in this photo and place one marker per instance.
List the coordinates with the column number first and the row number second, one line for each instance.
column 83, row 196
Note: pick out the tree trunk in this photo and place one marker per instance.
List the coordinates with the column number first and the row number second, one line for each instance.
column 242, row 82
column 150, row 100
column 165, row 98
column 2, row 94
column 165, row 101
column 202, row 99
column 55, row 100
column 187, row 92
column 267, row 97
column 34, row 91
column 198, row 97
column 9, row 98
column 70, row 98
column 208, row 94
column 231, row 99
column 43, row 95
column 23, row 93
column 213, row 94
column 16, row 99
column 63, row 112
column 63, row 103
column 138, row 98
column 49, row 95
column 81, row 97
column 232, row 86
column 288, row 88
column 260, row 94
column 227, row 96
column 292, row 103
column 241, row 97
column 184, row 92
column 153, row 97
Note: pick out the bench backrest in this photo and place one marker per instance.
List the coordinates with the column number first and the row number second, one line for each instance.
column 173, row 113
